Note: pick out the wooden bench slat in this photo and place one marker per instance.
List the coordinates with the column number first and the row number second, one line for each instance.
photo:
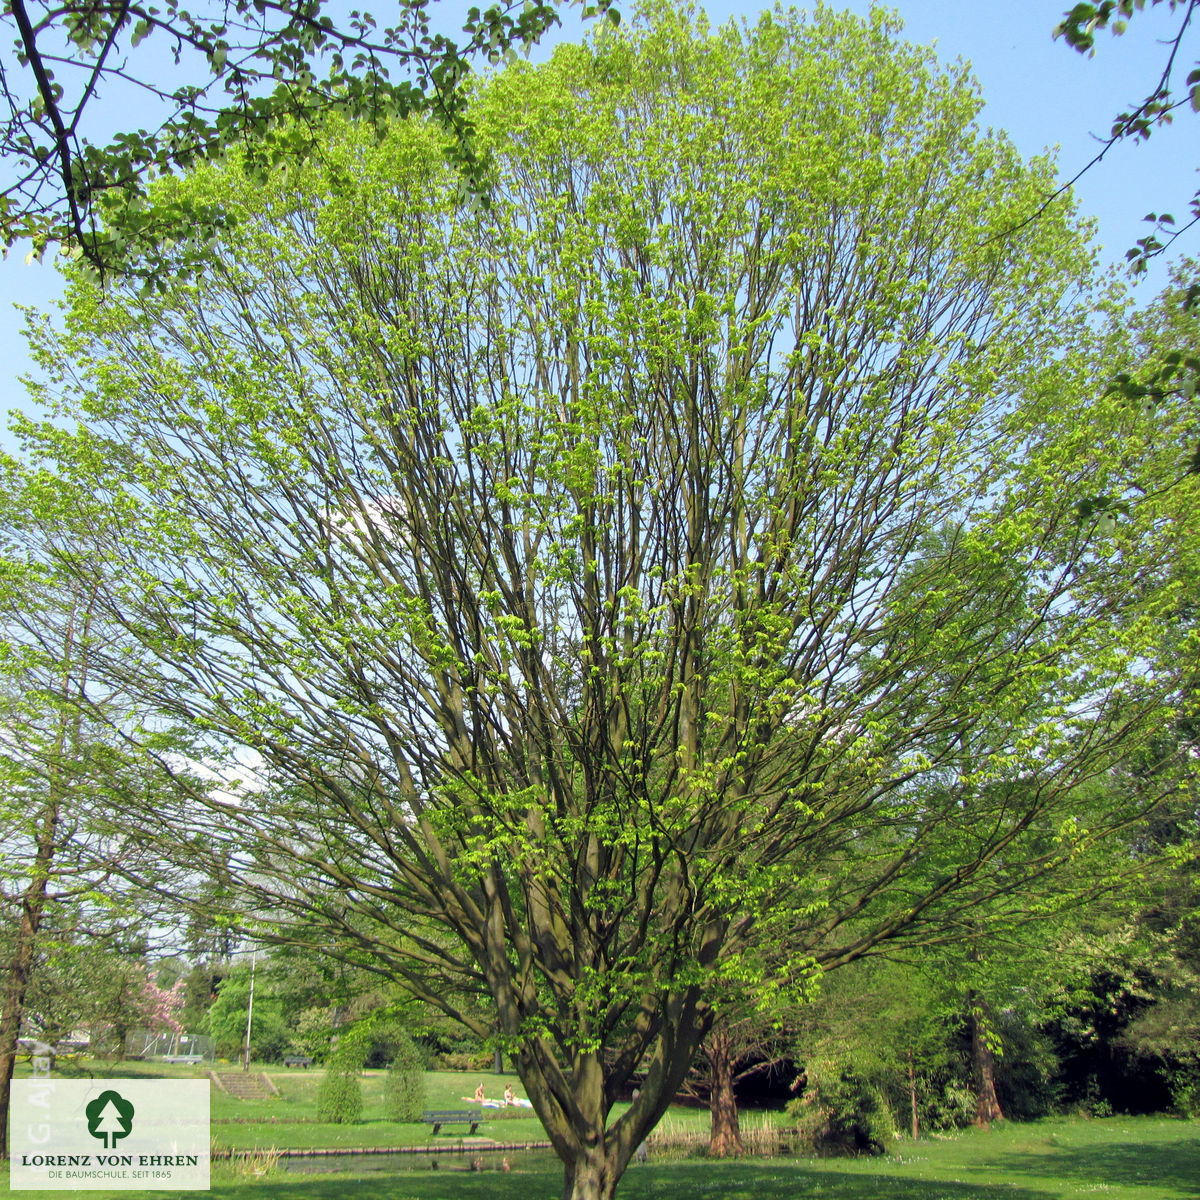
column 437, row 1117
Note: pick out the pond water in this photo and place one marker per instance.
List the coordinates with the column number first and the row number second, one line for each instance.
column 473, row 1158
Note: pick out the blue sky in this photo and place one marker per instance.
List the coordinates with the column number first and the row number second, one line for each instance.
column 1044, row 94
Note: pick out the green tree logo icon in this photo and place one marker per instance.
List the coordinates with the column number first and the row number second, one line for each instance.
column 109, row 1117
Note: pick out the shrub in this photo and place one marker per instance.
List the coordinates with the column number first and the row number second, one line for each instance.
column 946, row 1104
column 339, row 1098
column 458, row 1060
column 404, row 1088
column 842, row 1112
column 1185, row 1092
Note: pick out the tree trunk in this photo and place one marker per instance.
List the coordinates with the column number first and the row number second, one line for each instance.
column 574, row 1108
column 988, row 1106
column 725, row 1138
column 593, row 1177
column 20, row 965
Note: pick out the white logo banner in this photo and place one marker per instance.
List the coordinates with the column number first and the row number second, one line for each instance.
column 119, row 1134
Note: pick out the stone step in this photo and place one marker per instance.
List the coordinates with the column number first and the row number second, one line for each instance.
column 242, row 1085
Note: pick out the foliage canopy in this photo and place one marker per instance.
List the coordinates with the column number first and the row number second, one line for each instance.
column 260, row 76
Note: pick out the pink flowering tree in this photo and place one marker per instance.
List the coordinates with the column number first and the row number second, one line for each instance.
column 160, row 1006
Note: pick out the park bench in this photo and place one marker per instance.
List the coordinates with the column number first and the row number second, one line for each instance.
column 452, row 1116
column 180, row 1058
column 297, row 1060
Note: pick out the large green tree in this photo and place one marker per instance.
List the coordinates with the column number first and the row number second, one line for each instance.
column 542, row 578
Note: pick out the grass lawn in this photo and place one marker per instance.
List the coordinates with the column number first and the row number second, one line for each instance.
column 1120, row 1158
column 289, row 1120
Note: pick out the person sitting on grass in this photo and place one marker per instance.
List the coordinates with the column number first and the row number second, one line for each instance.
column 480, row 1098
column 510, row 1097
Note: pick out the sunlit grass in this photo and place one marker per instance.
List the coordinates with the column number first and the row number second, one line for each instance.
column 1119, row 1158
column 290, row 1121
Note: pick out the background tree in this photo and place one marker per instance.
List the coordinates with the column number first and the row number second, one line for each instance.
column 1078, row 29
column 260, row 75
column 1177, row 377
column 85, row 965
column 41, row 747
column 878, row 1051
column 1123, row 1013
column 225, row 1023
column 545, row 571
column 64, row 770
column 739, row 1046
column 1111, row 981
column 119, row 1001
